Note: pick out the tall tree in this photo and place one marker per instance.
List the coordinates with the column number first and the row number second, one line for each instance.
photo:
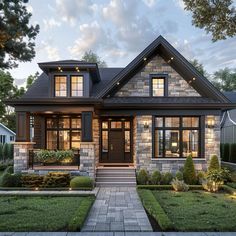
column 93, row 58
column 30, row 79
column 17, row 35
column 215, row 16
column 225, row 79
column 199, row 67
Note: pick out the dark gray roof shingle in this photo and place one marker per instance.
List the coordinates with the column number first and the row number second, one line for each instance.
column 231, row 95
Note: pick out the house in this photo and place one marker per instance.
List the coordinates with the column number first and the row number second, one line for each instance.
column 6, row 135
column 228, row 121
column 151, row 114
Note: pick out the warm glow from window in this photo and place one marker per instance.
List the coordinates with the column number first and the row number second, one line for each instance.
column 60, row 86
column 158, row 86
column 76, row 86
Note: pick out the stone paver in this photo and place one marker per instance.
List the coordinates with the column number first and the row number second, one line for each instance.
column 117, row 209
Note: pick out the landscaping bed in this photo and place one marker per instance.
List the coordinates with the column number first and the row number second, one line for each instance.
column 54, row 213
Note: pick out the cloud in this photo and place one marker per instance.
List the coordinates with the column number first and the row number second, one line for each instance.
column 180, row 4
column 29, row 8
column 52, row 52
column 150, row 3
column 50, row 23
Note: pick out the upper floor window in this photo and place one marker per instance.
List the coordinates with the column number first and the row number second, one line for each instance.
column 158, row 86
column 76, row 86
column 60, row 86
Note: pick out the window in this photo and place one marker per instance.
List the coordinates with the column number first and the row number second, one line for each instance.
column 12, row 138
column 76, row 86
column 63, row 132
column 158, row 86
column 2, row 139
column 60, row 86
column 176, row 137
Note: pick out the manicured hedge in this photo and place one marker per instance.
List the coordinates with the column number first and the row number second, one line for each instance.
column 225, row 152
column 76, row 223
column 232, row 153
column 167, row 187
column 229, row 189
column 153, row 207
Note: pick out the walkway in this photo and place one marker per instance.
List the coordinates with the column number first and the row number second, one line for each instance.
column 117, row 209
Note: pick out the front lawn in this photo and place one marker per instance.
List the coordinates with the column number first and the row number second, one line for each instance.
column 198, row 210
column 43, row 213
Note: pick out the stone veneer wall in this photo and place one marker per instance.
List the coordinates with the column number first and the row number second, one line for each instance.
column 139, row 84
column 21, row 155
column 96, row 136
column 143, row 147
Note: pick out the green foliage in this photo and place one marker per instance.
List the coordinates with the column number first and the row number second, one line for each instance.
column 5, row 151
column 77, row 221
column 81, row 182
column 93, row 58
column 233, row 176
column 154, row 209
column 189, row 171
column 56, row 179
column 31, row 79
column 166, row 187
column 214, row 163
column 199, row 67
column 32, row 180
column 10, row 180
column 10, row 151
column 216, row 17
column 166, row 178
column 179, row 185
column 142, row 177
column 9, row 170
column 1, row 151
column 179, row 175
column 225, row 149
column 232, row 152
column 232, row 185
column 155, row 177
column 201, row 175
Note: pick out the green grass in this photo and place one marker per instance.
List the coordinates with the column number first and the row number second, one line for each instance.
column 42, row 213
column 232, row 185
column 199, row 210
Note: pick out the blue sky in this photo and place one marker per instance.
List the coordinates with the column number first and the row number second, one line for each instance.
column 117, row 30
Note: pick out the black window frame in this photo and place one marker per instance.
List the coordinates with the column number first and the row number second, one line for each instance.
column 70, row 85
column 201, row 136
column 67, row 84
column 159, row 76
column 58, row 129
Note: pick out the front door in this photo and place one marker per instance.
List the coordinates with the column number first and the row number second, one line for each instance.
column 116, row 141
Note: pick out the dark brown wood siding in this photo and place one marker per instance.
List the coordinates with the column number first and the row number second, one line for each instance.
column 39, row 132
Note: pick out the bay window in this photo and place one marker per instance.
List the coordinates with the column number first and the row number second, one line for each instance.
column 176, row 137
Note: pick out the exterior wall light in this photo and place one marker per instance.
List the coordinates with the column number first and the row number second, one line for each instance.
column 210, row 122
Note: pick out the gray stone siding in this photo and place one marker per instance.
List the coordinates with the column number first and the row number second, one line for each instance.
column 96, row 137
column 143, row 147
column 139, row 84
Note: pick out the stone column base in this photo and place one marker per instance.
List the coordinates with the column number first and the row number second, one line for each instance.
column 21, row 155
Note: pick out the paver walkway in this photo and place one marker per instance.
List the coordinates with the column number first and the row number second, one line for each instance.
column 117, row 209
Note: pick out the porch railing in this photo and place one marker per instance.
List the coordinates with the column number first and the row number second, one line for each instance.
column 33, row 160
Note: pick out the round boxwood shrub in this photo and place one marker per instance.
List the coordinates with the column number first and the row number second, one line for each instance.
column 10, row 180
column 166, row 178
column 81, row 182
column 214, row 163
column 142, row 177
column 189, row 171
column 179, row 175
column 156, row 177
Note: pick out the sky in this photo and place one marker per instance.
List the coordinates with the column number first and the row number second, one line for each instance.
column 118, row 30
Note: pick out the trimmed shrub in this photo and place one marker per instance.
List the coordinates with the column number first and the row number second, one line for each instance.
column 142, row 177
column 5, row 151
column 155, row 177
column 232, row 153
column 9, row 170
column 189, row 171
column 1, row 151
column 56, row 180
column 179, row 185
column 201, row 175
column 225, row 149
column 10, row 151
column 10, row 180
column 179, row 175
column 32, row 180
column 167, row 187
column 81, row 182
column 166, row 178
column 214, row 163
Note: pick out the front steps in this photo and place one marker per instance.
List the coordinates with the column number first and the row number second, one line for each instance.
column 115, row 177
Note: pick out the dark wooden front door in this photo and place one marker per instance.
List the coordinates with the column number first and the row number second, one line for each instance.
column 116, row 145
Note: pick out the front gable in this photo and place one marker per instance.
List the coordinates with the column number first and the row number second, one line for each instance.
column 140, row 84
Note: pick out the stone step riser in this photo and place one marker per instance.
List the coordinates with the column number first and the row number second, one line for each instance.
column 123, row 179
column 116, row 175
column 112, row 171
column 99, row 184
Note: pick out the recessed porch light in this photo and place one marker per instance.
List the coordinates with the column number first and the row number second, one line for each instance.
column 117, row 83
column 144, row 58
column 194, row 78
column 172, row 58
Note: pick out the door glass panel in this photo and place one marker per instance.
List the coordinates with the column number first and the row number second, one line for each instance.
column 64, row 123
column 116, row 124
column 104, row 141
column 159, row 143
column 64, row 139
column 172, row 143
column 51, row 140
column 190, row 143
column 105, row 124
column 190, row 121
column 127, row 141
column 51, row 122
column 75, row 123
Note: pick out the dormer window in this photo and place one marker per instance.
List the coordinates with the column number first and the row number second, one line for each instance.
column 76, row 86
column 60, row 86
column 158, row 85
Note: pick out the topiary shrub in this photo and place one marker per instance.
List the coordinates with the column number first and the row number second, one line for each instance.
column 179, row 175
column 10, row 180
column 189, row 171
column 142, row 177
column 56, row 180
column 225, row 150
column 166, row 178
column 81, row 182
column 1, row 152
column 214, row 163
column 179, row 185
column 155, row 177
column 10, row 151
column 232, row 153
column 5, row 151
column 32, row 180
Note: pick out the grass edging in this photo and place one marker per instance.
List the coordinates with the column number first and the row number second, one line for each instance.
column 167, row 187
column 153, row 207
column 45, row 189
column 77, row 222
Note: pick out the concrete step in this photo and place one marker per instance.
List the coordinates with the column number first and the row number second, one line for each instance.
column 115, row 174
column 115, row 184
column 115, row 170
column 115, row 179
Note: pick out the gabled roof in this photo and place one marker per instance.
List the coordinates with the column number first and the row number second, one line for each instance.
column 4, row 127
column 176, row 60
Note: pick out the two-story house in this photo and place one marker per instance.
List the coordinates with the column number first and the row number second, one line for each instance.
column 151, row 114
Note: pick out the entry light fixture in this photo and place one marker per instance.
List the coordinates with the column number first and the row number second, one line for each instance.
column 77, row 69
column 210, row 122
column 146, row 126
